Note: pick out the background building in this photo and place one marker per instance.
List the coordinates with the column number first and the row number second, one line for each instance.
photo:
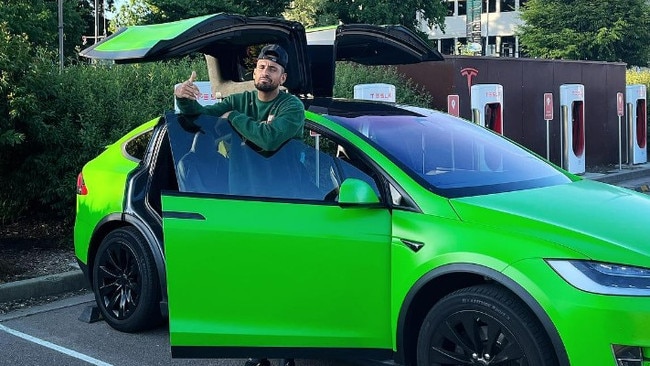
column 498, row 24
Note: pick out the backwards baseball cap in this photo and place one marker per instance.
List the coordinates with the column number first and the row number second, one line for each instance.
column 275, row 53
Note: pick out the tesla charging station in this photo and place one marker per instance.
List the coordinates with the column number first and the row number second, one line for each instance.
column 635, row 98
column 379, row 92
column 572, row 112
column 487, row 106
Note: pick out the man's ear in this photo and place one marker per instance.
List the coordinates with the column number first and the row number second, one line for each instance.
column 283, row 78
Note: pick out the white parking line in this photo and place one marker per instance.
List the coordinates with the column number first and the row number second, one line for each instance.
column 55, row 347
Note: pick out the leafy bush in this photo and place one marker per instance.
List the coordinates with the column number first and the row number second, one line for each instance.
column 25, row 89
column 67, row 118
column 637, row 76
column 349, row 74
column 110, row 100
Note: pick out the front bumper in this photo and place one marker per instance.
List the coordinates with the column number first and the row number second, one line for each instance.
column 588, row 325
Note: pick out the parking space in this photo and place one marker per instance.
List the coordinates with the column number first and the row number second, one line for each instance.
column 51, row 334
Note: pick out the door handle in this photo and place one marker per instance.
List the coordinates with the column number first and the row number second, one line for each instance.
column 183, row 215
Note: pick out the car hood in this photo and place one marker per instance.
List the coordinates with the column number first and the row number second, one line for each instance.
column 603, row 222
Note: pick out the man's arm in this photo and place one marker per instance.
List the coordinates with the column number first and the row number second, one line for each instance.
column 186, row 94
column 269, row 136
column 192, row 107
column 189, row 106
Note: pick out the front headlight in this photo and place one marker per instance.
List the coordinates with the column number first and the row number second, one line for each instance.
column 604, row 278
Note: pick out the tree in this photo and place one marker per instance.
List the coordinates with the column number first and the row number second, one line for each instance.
column 38, row 20
column 170, row 10
column 132, row 13
column 409, row 13
column 615, row 31
column 310, row 13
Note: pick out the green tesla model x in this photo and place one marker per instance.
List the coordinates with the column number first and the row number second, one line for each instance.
column 386, row 233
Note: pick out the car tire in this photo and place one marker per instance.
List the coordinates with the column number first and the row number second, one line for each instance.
column 125, row 282
column 482, row 325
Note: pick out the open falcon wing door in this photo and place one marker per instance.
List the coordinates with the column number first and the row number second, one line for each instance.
column 364, row 44
column 223, row 36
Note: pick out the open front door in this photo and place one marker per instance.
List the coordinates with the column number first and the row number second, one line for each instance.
column 276, row 269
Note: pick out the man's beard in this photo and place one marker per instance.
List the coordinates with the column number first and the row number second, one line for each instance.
column 265, row 87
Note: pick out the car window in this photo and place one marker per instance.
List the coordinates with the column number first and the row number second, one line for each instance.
column 136, row 147
column 335, row 162
column 453, row 157
column 210, row 157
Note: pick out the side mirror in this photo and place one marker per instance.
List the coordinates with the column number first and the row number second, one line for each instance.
column 354, row 192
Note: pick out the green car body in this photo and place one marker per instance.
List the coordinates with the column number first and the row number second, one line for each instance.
column 108, row 173
column 559, row 268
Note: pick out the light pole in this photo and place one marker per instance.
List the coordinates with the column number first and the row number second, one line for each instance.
column 60, row 35
column 96, row 20
column 487, row 26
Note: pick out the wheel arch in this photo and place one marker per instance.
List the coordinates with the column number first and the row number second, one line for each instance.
column 116, row 221
column 441, row 281
column 103, row 228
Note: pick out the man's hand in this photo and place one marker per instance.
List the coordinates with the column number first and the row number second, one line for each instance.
column 187, row 89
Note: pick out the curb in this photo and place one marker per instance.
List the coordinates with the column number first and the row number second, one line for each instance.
column 43, row 286
column 88, row 298
column 624, row 174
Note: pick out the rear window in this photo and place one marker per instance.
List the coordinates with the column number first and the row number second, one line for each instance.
column 136, row 147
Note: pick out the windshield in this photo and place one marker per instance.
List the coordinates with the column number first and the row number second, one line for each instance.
column 453, row 157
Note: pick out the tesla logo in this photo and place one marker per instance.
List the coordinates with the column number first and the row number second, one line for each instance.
column 452, row 104
column 207, row 97
column 469, row 73
column 381, row 96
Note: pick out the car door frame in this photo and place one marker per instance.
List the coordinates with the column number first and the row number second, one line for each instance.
column 362, row 231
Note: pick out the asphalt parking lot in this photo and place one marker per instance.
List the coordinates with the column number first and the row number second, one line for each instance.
column 52, row 334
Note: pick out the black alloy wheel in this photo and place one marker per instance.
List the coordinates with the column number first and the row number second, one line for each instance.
column 483, row 325
column 125, row 282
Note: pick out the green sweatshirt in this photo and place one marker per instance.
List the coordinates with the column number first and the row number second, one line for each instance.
column 266, row 124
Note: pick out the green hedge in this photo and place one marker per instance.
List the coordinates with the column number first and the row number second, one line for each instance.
column 56, row 121
column 406, row 91
column 66, row 119
column 637, row 77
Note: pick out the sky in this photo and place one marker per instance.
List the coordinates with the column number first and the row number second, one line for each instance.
column 118, row 4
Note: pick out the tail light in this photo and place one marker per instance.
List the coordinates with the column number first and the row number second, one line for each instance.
column 81, row 185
